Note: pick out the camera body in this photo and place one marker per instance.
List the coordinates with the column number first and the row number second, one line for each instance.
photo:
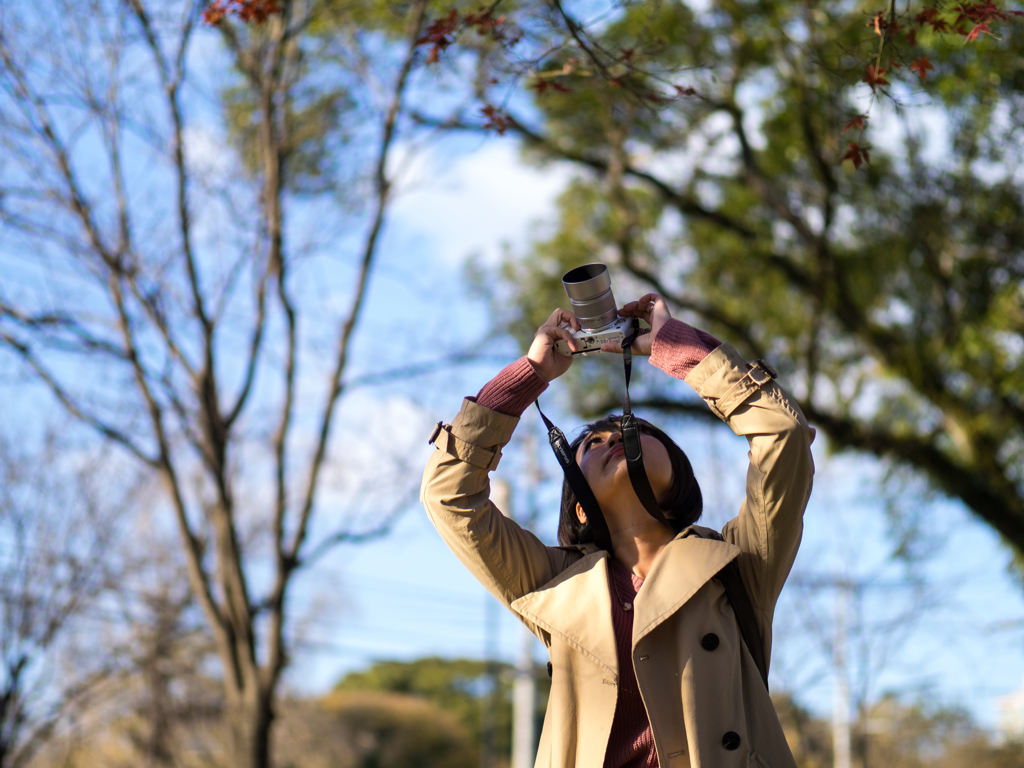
column 590, row 292
column 590, row 342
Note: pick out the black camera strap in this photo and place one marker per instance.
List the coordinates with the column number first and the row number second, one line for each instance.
column 630, row 429
column 578, row 483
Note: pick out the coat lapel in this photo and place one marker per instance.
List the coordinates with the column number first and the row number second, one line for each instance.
column 683, row 567
column 576, row 606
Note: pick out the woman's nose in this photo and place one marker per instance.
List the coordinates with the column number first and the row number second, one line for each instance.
column 613, row 438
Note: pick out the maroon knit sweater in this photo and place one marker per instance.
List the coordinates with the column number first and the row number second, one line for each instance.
column 677, row 350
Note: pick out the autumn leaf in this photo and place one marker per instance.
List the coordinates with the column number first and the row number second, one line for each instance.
column 486, row 23
column 922, row 66
column 875, row 77
column 911, row 37
column 438, row 35
column 857, row 154
column 496, row 119
column 257, row 11
column 857, row 122
column 214, row 13
column 878, row 22
column 980, row 29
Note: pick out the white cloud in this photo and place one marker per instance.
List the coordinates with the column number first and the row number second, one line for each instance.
column 474, row 202
column 207, row 155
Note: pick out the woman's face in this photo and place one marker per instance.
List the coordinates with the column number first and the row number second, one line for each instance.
column 602, row 459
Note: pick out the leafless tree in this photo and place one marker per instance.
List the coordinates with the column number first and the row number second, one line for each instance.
column 153, row 289
column 55, row 529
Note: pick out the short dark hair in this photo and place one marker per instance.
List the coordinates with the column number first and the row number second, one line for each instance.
column 683, row 503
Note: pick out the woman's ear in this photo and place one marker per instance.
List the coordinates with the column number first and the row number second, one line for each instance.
column 580, row 514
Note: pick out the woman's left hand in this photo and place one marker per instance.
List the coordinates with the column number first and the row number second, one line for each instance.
column 653, row 310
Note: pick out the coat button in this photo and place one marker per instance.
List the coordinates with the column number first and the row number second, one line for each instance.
column 709, row 642
column 731, row 741
column 551, row 670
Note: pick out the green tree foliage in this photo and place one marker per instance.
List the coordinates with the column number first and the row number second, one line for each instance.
column 457, row 686
column 894, row 734
column 809, row 737
column 920, row 735
column 890, row 298
column 373, row 729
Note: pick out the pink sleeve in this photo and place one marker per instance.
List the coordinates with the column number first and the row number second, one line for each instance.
column 513, row 390
column 679, row 347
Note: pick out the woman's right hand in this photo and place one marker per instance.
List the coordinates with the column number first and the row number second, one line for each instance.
column 548, row 363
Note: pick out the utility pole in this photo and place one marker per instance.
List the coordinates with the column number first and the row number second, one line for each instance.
column 524, row 692
column 490, row 700
column 524, row 702
column 501, row 497
column 841, row 736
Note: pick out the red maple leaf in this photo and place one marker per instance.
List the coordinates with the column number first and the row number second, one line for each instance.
column 486, row 23
column 496, row 120
column 911, row 37
column 926, row 16
column 214, row 13
column 875, row 77
column 438, row 35
column 857, row 122
column 257, row 11
column 980, row 12
column 922, row 66
column 857, row 154
column 559, row 87
column 979, row 29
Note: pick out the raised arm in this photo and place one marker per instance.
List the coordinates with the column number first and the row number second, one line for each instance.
column 747, row 398
column 508, row 560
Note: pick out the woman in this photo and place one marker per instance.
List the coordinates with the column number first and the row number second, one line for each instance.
column 647, row 661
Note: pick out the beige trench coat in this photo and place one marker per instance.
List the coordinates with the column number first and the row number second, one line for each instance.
column 694, row 697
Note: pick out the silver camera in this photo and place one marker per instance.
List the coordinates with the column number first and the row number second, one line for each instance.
column 590, row 292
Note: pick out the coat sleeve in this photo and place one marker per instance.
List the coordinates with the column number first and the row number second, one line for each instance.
column 770, row 522
column 507, row 559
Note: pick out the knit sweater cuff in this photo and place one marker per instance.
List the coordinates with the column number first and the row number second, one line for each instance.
column 679, row 348
column 513, row 390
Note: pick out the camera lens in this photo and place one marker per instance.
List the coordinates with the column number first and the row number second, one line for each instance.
column 590, row 291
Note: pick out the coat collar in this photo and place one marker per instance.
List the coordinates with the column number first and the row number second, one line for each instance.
column 685, row 565
column 576, row 605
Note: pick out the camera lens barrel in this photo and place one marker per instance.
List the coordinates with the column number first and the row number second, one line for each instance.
column 590, row 291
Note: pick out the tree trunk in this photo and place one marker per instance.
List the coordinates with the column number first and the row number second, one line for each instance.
column 248, row 722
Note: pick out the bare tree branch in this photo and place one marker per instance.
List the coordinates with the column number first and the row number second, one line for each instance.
column 383, row 187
